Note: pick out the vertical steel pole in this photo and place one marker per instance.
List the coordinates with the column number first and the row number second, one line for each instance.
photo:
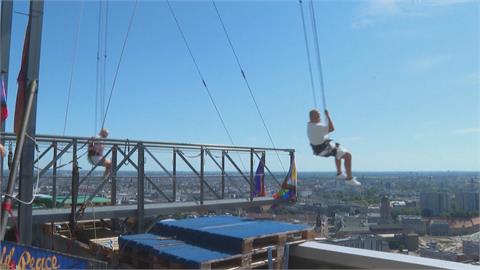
column 13, row 171
column 5, row 34
column 140, row 188
column 202, row 173
column 251, row 175
column 174, row 174
column 223, row 174
column 54, row 175
column 75, row 179
column 26, row 175
column 113, row 176
column 262, row 160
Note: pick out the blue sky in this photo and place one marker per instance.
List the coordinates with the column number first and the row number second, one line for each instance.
column 402, row 77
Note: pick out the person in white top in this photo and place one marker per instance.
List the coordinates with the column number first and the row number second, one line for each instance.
column 323, row 146
column 95, row 152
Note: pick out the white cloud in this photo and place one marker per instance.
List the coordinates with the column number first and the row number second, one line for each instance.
column 441, row 2
column 375, row 11
column 471, row 78
column 427, row 63
column 466, row 130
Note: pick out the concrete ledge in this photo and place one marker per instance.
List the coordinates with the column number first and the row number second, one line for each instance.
column 346, row 257
column 41, row 216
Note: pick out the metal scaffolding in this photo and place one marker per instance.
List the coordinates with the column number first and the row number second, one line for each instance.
column 133, row 153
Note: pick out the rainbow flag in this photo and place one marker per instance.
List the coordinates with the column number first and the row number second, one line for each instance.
column 3, row 98
column 288, row 191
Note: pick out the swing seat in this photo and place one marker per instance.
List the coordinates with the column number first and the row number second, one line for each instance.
column 95, row 159
column 327, row 149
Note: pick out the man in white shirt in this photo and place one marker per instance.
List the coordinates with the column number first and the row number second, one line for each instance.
column 323, row 146
column 95, row 152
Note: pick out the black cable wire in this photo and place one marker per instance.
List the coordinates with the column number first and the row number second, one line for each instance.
column 317, row 48
column 200, row 73
column 104, row 78
column 247, row 83
column 307, row 48
column 97, row 83
column 120, row 61
column 72, row 71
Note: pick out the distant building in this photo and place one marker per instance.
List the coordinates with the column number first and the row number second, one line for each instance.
column 321, row 225
column 411, row 241
column 413, row 224
column 398, row 204
column 467, row 201
column 385, row 213
column 388, row 185
column 439, row 228
column 350, row 225
column 305, row 193
column 373, row 218
column 386, row 228
column 434, row 203
column 371, row 242
column 464, row 226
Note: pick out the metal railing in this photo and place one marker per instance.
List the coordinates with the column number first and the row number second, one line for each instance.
column 133, row 154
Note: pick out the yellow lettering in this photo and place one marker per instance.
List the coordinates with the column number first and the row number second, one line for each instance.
column 2, row 257
column 9, row 257
column 32, row 262
column 24, row 260
column 39, row 264
column 55, row 263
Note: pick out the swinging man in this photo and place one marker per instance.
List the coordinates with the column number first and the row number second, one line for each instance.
column 95, row 152
column 323, row 146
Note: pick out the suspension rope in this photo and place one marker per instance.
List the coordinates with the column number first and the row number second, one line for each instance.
column 120, row 61
column 317, row 49
column 207, row 89
column 97, row 83
column 307, row 49
column 247, row 83
column 200, row 73
column 104, row 83
column 72, row 71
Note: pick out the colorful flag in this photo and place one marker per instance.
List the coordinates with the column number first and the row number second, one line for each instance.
column 288, row 191
column 22, row 84
column 3, row 99
column 260, row 180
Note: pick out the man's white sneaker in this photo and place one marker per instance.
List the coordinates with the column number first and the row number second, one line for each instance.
column 341, row 176
column 353, row 182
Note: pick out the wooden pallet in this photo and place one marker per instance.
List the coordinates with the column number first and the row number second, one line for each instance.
column 278, row 239
column 255, row 249
column 231, row 262
column 254, row 253
column 104, row 247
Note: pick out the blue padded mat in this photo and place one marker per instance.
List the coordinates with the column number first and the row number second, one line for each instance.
column 230, row 226
column 170, row 249
column 225, row 233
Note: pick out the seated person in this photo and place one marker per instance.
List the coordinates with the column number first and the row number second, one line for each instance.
column 95, row 151
column 323, row 146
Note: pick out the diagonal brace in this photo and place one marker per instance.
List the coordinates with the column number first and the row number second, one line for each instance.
column 197, row 173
